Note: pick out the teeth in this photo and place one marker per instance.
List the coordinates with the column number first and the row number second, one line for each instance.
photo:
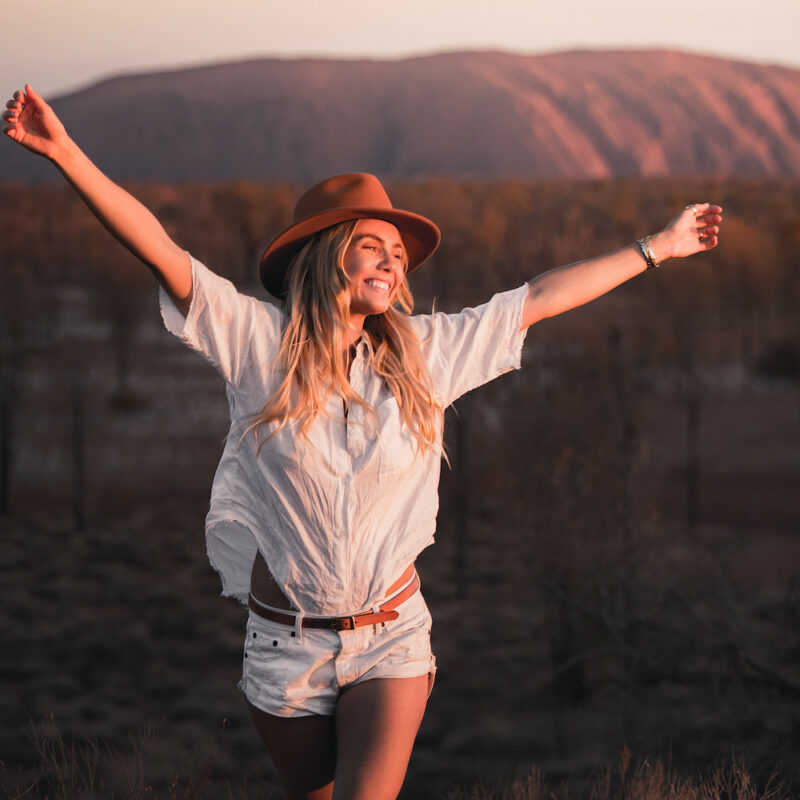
column 378, row 284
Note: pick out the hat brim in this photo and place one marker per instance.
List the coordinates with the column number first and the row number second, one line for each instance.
column 420, row 238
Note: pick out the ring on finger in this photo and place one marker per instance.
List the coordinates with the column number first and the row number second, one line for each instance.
column 692, row 207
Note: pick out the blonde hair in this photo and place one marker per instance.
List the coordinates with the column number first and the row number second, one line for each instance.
column 318, row 310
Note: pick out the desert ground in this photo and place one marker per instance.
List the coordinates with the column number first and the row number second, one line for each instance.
column 617, row 562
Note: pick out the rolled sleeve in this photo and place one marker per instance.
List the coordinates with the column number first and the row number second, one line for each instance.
column 221, row 323
column 470, row 348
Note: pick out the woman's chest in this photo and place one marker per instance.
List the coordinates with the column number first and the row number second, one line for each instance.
column 369, row 439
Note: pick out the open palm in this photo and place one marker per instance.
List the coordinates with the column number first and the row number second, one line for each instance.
column 32, row 123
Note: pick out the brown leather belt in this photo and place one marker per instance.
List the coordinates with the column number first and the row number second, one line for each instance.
column 384, row 613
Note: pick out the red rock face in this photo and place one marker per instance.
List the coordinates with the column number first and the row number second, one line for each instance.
column 578, row 114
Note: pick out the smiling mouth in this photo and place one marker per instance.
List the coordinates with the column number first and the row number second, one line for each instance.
column 374, row 283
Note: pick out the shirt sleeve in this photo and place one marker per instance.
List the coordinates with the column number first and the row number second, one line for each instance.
column 466, row 350
column 223, row 325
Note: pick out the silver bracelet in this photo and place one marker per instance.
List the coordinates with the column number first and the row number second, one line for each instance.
column 647, row 252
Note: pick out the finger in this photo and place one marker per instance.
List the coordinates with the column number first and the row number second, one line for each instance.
column 10, row 115
column 708, row 237
column 707, row 208
column 33, row 95
column 700, row 210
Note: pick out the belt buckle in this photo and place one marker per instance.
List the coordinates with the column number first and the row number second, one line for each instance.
column 343, row 623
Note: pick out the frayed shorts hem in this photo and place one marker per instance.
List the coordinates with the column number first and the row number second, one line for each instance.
column 322, row 709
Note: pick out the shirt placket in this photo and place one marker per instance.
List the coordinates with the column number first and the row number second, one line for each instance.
column 355, row 434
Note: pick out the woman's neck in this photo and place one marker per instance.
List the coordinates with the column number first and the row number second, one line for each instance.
column 354, row 331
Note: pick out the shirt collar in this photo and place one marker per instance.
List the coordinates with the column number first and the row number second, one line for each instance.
column 363, row 346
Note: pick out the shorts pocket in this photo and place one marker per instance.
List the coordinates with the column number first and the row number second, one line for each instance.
column 264, row 642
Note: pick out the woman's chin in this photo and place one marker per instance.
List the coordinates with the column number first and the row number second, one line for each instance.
column 369, row 309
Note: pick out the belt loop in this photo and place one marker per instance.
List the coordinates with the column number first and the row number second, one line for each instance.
column 298, row 627
column 375, row 609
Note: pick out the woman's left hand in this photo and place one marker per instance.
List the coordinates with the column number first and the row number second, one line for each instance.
column 695, row 229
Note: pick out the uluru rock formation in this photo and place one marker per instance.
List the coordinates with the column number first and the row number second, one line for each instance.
column 584, row 114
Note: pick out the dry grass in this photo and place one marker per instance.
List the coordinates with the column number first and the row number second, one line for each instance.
column 642, row 780
column 86, row 768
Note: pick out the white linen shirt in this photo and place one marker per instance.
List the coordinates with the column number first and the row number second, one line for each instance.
column 340, row 513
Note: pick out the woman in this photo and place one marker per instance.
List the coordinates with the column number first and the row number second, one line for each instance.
column 327, row 489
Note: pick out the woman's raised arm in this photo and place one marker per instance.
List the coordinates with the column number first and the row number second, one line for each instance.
column 695, row 229
column 31, row 122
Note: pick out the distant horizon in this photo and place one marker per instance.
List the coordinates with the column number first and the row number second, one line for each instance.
column 216, row 62
column 60, row 48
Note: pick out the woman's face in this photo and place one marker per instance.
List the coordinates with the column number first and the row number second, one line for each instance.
column 374, row 263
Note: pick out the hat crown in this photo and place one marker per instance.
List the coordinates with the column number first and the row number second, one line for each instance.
column 354, row 190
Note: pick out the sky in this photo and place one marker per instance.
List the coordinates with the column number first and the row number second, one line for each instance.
column 60, row 45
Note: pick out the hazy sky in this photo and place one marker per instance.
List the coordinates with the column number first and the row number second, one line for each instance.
column 59, row 45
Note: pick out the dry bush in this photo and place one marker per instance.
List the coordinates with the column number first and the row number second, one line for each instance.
column 642, row 780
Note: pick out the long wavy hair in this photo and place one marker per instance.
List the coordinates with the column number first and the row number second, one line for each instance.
column 318, row 310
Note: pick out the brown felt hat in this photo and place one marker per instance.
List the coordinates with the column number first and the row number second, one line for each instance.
column 357, row 195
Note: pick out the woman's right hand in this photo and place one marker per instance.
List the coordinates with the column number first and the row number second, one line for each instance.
column 33, row 124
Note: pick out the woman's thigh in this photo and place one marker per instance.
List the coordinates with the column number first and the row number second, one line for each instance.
column 365, row 746
column 303, row 750
column 376, row 724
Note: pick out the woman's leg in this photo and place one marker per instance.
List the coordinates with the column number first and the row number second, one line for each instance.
column 366, row 746
column 303, row 750
column 376, row 724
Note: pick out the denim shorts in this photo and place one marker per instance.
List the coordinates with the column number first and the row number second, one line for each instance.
column 294, row 672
